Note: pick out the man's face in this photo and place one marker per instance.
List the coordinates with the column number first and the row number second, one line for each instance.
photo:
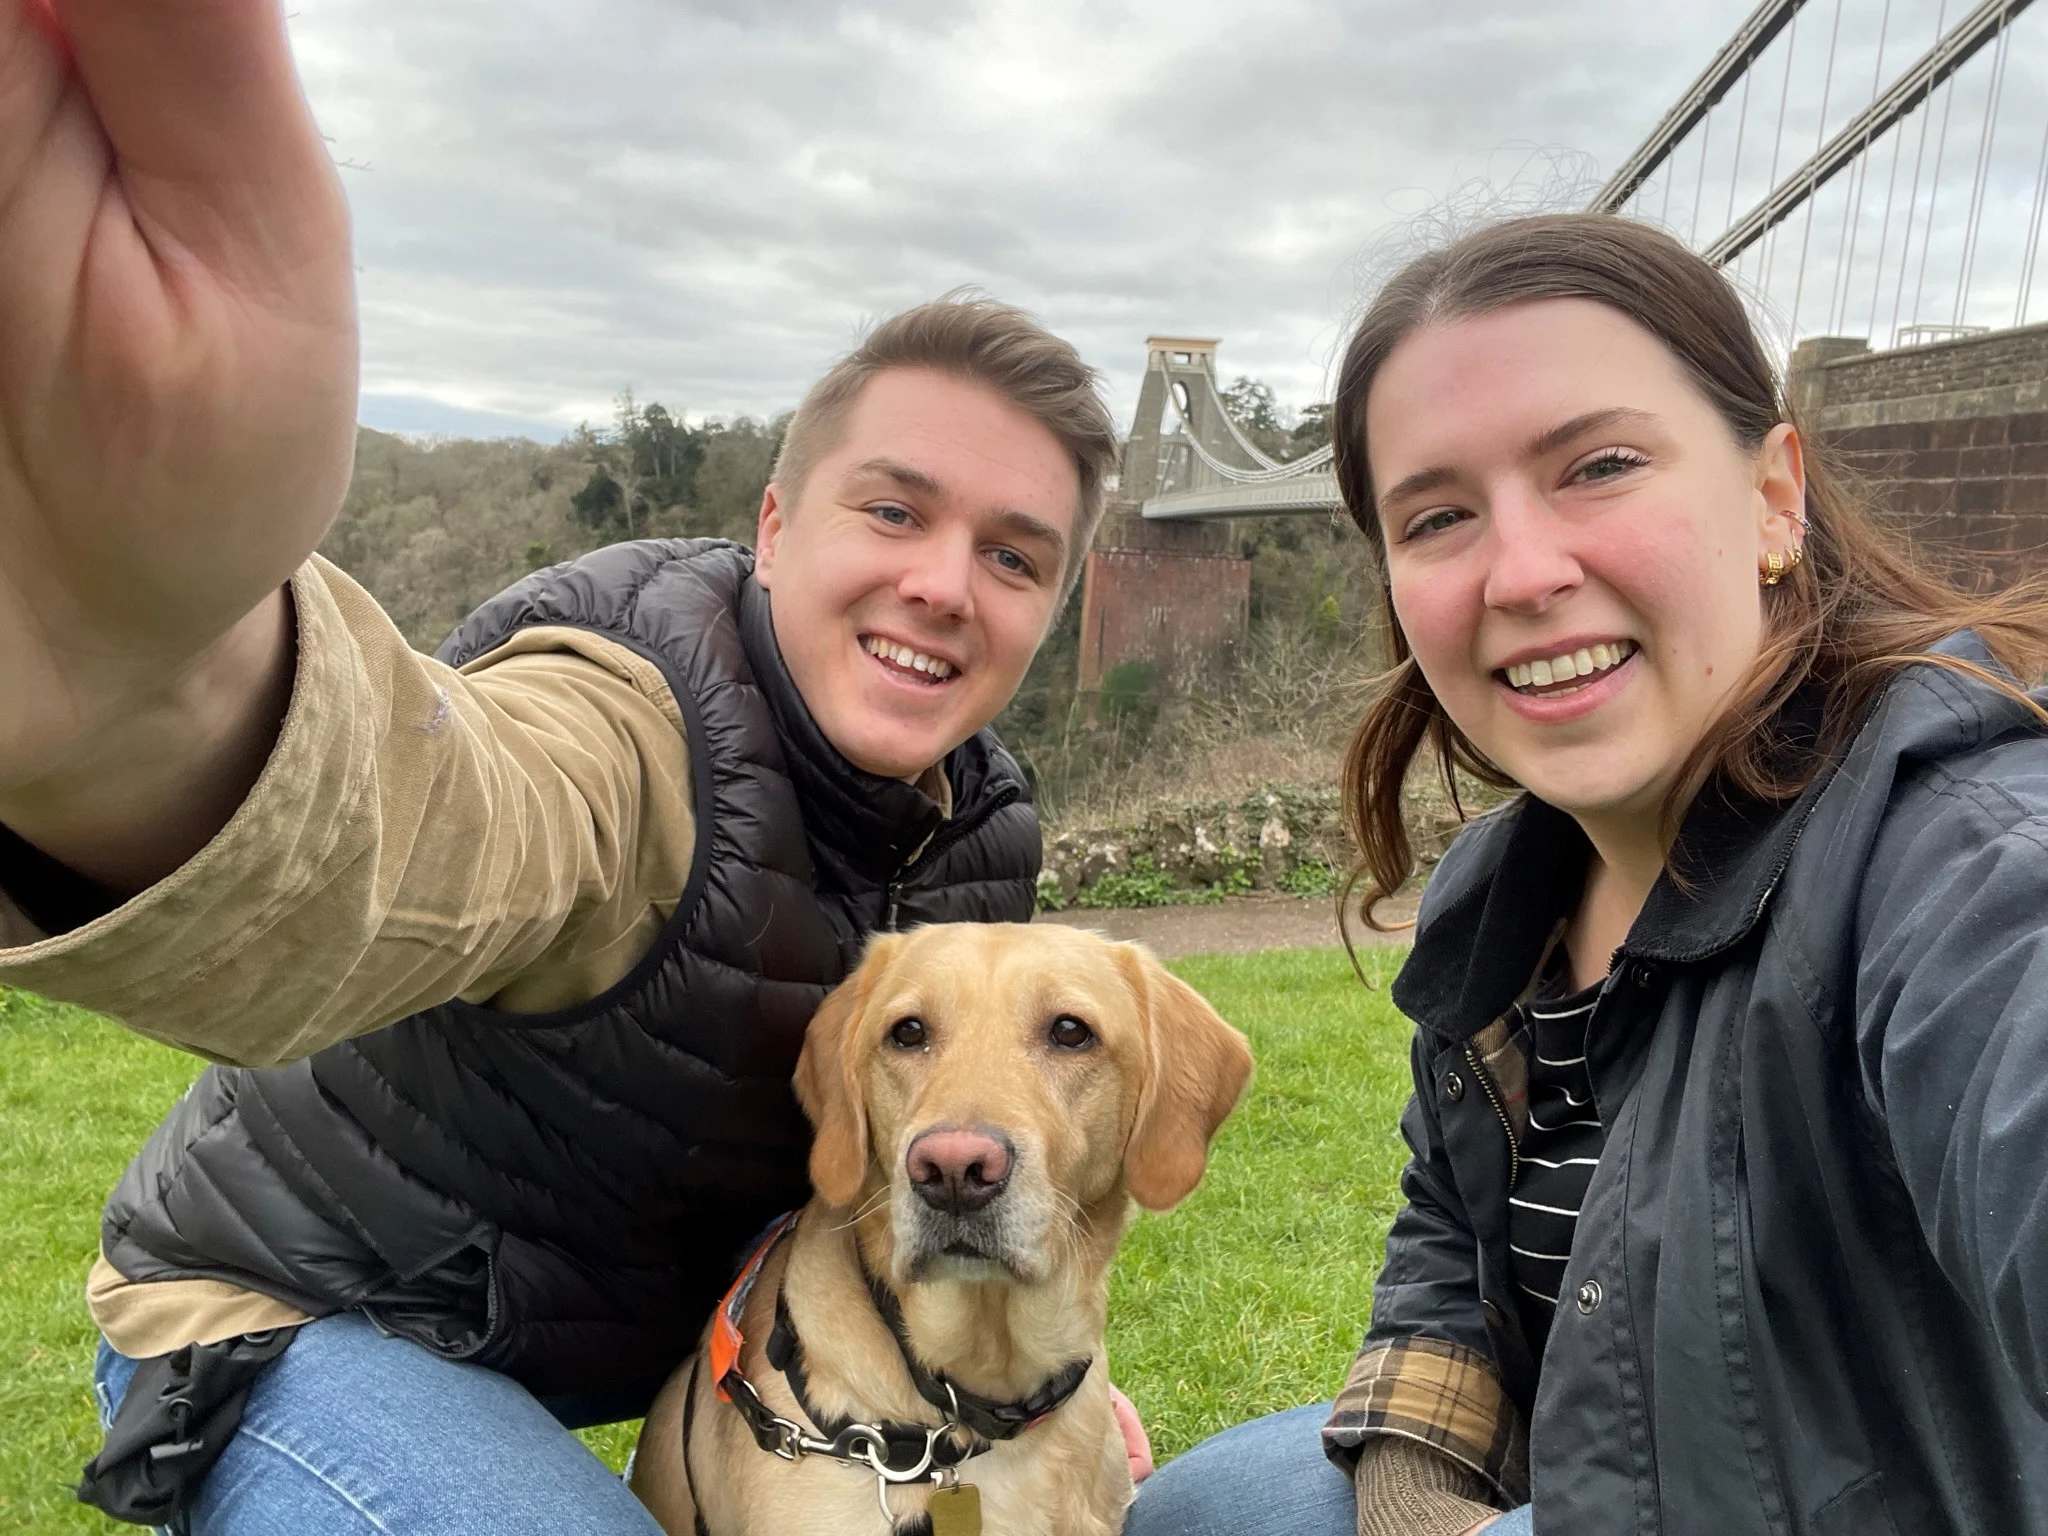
column 912, row 582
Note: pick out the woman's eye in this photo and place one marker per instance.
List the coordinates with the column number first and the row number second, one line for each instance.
column 1608, row 463
column 1432, row 522
column 907, row 1034
column 1070, row 1034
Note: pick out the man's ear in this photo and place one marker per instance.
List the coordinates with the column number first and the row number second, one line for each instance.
column 767, row 532
column 1196, row 1069
column 828, row 1082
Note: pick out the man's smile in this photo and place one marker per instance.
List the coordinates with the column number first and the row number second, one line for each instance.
column 907, row 662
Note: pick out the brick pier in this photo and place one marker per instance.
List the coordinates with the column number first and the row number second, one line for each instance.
column 1955, row 433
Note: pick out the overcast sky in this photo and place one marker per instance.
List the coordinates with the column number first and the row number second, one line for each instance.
column 703, row 200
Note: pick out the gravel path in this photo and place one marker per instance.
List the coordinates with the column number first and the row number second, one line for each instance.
column 1230, row 927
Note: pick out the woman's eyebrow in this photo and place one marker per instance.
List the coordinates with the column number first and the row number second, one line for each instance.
column 1415, row 484
column 1565, row 431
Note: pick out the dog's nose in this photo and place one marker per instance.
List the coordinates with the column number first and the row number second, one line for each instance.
column 960, row 1170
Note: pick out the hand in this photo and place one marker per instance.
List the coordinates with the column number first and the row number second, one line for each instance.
column 1137, row 1445
column 177, row 396
column 1485, row 1525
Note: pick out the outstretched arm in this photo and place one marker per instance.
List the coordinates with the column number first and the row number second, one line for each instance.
column 177, row 400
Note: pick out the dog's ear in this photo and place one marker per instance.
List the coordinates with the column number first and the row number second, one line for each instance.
column 1195, row 1071
column 828, row 1084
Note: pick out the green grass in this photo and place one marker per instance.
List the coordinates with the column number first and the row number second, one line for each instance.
column 1250, row 1297
column 77, row 1096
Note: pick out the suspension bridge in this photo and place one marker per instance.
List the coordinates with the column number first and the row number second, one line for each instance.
column 1871, row 174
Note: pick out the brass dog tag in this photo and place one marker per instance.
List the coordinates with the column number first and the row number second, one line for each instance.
column 956, row 1511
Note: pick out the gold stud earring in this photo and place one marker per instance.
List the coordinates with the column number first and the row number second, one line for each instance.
column 1773, row 570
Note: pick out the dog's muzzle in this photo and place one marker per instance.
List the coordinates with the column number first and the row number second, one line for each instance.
column 965, row 1208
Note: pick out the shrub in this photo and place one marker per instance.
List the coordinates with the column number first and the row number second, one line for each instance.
column 1312, row 877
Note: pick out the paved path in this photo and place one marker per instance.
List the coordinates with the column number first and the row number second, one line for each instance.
column 1230, row 927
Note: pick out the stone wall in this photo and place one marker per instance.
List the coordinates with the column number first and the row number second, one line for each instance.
column 1287, row 837
column 1997, row 373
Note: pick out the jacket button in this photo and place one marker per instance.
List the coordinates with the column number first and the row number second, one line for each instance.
column 1589, row 1296
column 1491, row 1313
column 1454, row 1087
column 1644, row 975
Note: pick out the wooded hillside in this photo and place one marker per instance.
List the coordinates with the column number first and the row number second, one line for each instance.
column 433, row 528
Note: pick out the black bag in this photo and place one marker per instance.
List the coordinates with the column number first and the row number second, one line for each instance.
column 180, row 1412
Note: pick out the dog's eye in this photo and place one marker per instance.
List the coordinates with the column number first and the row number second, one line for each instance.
column 1070, row 1034
column 907, row 1034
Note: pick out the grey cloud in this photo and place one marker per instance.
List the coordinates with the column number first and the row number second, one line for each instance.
column 704, row 200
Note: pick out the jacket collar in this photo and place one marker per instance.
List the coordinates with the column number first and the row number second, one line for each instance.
column 1477, row 951
column 860, row 824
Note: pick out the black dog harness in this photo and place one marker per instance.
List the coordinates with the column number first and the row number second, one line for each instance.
column 893, row 1451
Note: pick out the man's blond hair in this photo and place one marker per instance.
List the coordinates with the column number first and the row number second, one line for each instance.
column 997, row 346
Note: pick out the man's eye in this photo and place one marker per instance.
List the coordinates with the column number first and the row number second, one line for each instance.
column 895, row 516
column 1012, row 562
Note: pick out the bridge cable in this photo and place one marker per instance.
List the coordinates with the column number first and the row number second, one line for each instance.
column 1852, row 215
column 1767, row 260
column 1250, row 449
column 1933, row 192
column 1741, row 128
column 1692, row 228
column 1982, row 175
column 1913, row 202
column 2019, row 313
column 1884, row 228
column 1819, row 137
column 1237, row 474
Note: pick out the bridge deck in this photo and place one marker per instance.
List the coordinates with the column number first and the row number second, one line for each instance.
column 1302, row 493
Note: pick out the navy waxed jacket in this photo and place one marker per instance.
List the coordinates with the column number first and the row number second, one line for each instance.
column 1808, row 1291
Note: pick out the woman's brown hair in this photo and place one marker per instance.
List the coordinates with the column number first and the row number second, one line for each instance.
column 1859, row 607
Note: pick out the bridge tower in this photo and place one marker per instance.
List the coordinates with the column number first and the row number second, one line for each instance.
column 1173, row 595
column 1180, row 376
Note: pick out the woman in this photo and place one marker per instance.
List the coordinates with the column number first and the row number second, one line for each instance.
column 1730, row 1125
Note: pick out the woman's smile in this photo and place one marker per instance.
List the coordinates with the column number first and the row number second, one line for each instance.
column 1570, row 683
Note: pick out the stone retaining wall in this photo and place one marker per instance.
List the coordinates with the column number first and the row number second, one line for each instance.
column 1282, row 836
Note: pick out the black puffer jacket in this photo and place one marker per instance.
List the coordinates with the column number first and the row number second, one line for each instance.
column 1808, row 1292
column 561, row 1195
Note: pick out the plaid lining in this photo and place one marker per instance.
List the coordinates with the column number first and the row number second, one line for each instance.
column 1442, row 1394
column 1506, row 1058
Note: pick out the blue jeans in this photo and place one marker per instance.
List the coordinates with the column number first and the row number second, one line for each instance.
column 350, row 1433
column 1268, row 1477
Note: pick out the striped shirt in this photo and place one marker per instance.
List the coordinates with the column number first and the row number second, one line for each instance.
column 1558, row 1152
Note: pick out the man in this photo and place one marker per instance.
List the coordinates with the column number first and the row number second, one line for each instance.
column 507, row 956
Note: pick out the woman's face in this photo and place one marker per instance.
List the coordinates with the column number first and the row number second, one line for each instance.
column 1573, row 537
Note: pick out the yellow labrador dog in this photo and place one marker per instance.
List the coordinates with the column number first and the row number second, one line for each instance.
column 919, row 1352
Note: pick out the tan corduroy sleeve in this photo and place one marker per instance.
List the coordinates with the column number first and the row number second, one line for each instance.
column 515, row 833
